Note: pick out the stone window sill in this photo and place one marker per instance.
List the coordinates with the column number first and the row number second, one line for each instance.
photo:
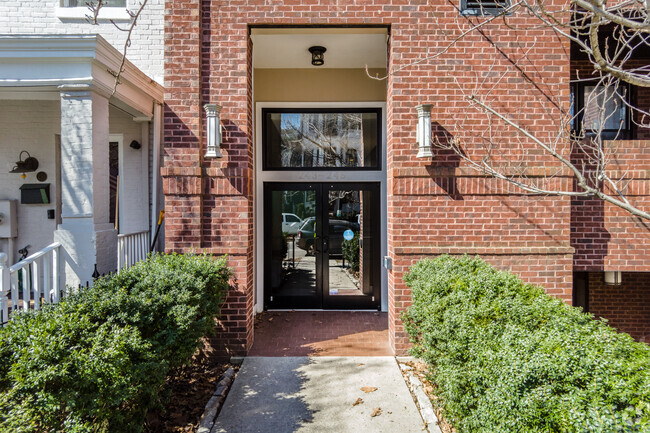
column 81, row 13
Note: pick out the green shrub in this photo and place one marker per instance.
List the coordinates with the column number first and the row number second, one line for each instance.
column 97, row 361
column 351, row 251
column 285, row 245
column 506, row 357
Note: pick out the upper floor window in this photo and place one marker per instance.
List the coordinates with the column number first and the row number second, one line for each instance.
column 321, row 139
column 78, row 10
column 484, row 7
column 82, row 3
column 602, row 110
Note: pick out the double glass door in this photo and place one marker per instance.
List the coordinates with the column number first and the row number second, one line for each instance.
column 321, row 245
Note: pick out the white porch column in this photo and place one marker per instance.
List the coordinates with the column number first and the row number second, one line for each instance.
column 85, row 232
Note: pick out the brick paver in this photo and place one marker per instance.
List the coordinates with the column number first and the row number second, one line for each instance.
column 321, row 333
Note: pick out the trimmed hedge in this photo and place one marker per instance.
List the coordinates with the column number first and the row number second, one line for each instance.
column 506, row 357
column 97, row 361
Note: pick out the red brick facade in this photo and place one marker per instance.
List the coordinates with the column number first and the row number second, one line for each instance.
column 626, row 307
column 435, row 205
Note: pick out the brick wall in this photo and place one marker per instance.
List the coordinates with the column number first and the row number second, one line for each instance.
column 626, row 307
column 433, row 206
column 606, row 237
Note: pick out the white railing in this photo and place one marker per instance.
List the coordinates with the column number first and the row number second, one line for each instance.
column 131, row 249
column 30, row 282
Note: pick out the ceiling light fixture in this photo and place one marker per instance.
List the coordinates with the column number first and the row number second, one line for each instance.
column 317, row 55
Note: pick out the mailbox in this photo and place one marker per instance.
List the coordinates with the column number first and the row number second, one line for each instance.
column 35, row 193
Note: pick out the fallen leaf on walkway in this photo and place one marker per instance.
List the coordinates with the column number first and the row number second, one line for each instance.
column 368, row 389
column 360, row 364
column 270, row 319
column 359, row 401
column 376, row 412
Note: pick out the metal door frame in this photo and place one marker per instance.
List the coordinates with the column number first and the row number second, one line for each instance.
column 265, row 176
column 322, row 298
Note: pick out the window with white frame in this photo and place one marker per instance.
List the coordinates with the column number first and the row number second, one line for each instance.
column 83, row 3
column 484, row 7
column 79, row 10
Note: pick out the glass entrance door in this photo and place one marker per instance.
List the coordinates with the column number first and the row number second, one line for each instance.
column 322, row 245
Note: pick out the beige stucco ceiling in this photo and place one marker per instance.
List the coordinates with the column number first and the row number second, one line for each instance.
column 346, row 47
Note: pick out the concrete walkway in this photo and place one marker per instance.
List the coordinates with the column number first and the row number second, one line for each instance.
column 318, row 394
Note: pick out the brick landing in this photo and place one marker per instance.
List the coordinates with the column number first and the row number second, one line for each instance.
column 321, row 333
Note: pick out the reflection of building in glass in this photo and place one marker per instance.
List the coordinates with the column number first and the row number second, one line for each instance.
column 604, row 108
column 344, row 204
column 322, row 140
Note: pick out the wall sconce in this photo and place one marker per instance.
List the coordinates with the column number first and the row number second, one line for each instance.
column 317, row 55
column 135, row 145
column 423, row 134
column 27, row 165
column 212, row 112
column 613, row 278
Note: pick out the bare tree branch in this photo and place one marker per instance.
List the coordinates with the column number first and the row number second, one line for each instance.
column 609, row 36
column 93, row 18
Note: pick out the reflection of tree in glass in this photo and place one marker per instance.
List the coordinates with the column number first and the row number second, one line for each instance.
column 322, row 139
column 301, row 203
column 344, row 204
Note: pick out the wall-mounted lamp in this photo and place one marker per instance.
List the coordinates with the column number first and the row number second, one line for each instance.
column 27, row 165
column 317, row 55
column 135, row 145
column 423, row 134
column 212, row 112
column 613, row 278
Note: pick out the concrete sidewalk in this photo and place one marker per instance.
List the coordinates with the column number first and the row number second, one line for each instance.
column 317, row 394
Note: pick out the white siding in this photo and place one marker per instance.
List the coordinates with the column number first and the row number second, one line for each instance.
column 30, row 126
column 134, row 197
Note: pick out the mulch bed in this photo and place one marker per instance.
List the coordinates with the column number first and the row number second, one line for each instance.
column 189, row 390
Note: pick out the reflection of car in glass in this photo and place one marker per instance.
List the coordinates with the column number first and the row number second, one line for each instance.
column 305, row 238
column 290, row 223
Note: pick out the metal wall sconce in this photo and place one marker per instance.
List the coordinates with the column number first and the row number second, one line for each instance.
column 213, row 112
column 317, row 55
column 27, row 165
column 613, row 278
column 135, row 145
column 423, row 134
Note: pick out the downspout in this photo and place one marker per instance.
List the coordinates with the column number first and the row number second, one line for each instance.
column 155, row 173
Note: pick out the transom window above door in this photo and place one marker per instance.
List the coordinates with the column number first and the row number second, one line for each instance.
column 321, row 139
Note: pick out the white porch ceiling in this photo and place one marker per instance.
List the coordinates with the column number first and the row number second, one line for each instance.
column 346, row 47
